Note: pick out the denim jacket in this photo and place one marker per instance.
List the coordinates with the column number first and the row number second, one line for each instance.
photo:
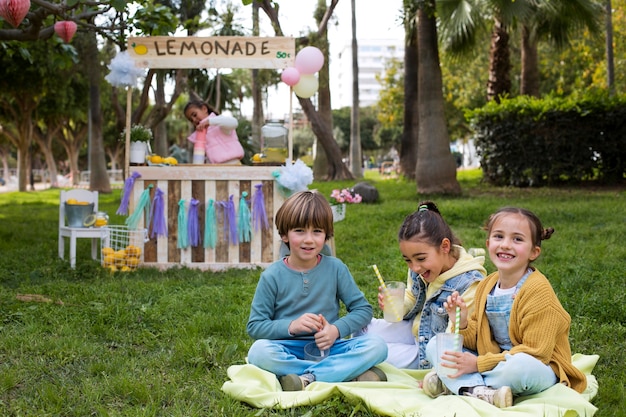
column 434, row 318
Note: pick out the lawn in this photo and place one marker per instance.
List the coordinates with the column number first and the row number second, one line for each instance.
column 158, row 343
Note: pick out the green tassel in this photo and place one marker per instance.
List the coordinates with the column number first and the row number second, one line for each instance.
column 245, row 219
column 182, row 241
column 143, row 208
column 210, row 227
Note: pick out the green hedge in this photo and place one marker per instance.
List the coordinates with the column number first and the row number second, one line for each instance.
column 533, row 142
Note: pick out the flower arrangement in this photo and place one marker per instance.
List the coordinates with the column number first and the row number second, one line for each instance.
column 138, row 133
column 344, row 196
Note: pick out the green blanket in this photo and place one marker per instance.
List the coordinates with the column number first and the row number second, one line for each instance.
column 400, row 395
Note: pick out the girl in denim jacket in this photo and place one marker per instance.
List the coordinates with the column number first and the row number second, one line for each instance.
column 438, row 266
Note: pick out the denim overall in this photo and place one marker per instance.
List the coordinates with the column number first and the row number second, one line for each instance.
column 434, row 318
column 523, row 373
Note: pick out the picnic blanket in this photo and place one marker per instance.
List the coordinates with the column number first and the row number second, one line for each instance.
column 401, row 395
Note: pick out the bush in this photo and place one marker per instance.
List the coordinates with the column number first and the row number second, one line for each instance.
column 533, row 142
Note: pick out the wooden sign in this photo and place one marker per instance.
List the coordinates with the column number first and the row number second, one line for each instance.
column 212, row 52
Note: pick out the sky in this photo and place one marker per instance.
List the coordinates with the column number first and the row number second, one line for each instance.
column 375, row 19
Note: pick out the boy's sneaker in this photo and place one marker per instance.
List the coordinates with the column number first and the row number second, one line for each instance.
column 373, row 374
column 432, row 385
column 293, row 382
column 501, row 397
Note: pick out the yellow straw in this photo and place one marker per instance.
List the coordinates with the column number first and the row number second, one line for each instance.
column 386, row 292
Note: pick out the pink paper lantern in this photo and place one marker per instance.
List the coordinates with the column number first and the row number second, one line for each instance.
column 14, row 11
column 309, row 60
column 290, row 76
column 65, row 29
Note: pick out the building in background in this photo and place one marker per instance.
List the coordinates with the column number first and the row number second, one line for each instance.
column 373, row 54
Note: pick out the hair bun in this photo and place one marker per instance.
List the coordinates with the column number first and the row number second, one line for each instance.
column 546, row 233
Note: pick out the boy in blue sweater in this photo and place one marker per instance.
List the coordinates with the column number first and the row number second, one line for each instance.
column 297, row 302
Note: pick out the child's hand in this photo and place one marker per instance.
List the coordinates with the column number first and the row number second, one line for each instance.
column 326, row 337
column 381, row 298
column 306, row 324
column 463, row 362
column 454, row 301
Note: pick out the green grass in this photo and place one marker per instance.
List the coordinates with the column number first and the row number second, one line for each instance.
column 158, row 343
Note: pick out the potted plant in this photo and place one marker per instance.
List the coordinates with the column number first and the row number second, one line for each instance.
column 338, row 201
column 140, row 137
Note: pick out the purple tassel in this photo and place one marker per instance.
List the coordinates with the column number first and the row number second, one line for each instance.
column 259, row 216
column 159, row 225
column 128, row 187
column 193, row 230
column 232, row 221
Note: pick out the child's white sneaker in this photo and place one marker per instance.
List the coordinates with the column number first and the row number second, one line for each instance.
column 501, row 397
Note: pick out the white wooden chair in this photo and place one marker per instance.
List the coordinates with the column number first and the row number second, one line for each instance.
column 73, row 233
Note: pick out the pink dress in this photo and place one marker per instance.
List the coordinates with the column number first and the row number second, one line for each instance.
column 220, row 147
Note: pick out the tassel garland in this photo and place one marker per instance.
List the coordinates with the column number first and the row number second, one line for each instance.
column 210, row 226
column 244, row 223
column 193, row 229
column 143, row 207
column 157, row 212
column 259, row 216
column 128, row 187
column 181, row 241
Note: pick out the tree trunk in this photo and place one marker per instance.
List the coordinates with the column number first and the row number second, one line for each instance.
column 320, row 164
column 257, row 93
column 356, row 161
column 409, row 140
column 160, row 129
column 337, row 170
column 499, row 83
column 529, row 84
column 610, row 64
column 98, row 178
column 436, row 169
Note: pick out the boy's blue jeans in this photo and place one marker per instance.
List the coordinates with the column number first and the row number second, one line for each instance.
column 523, row 373
column 348, row 358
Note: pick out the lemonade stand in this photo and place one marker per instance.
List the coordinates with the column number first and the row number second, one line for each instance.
column 188, row 192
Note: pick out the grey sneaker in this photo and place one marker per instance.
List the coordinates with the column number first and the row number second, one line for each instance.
column 293, row 382
column 373, row 374
column 432, row 385
column 501, row 397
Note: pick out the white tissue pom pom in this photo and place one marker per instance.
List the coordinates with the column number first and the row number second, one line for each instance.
column 123, row 71
column 295, row 177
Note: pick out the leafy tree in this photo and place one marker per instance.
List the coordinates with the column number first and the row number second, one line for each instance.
column 390, row 109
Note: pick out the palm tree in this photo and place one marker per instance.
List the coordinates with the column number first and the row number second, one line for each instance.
column 409, row 140
column 356, row 162
column 436, row 169
column 463, row 21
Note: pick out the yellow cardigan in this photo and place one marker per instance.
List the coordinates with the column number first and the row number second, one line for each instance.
column 539, row 326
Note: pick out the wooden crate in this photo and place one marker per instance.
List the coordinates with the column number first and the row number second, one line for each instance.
column 205, row 182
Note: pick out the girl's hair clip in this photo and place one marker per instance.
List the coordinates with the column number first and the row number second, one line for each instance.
column 423, row 207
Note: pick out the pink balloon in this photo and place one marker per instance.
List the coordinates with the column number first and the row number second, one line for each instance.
column 309, row 60
column 65, row 29
column 14, row 11
column 290, row 76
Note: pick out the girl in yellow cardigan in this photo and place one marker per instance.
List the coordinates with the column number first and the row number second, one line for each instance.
column 516, row 341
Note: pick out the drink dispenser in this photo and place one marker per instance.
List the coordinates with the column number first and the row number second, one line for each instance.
column 274, row 142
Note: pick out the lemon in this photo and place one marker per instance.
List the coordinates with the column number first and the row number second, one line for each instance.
column 132, row 261
column 71, row 201
column 132, row 250
column 141, row 49
column 125, row 269
column 90, row 220
column 257, row 157
column 107, row 251
column 170, row 160
column 112, row 268
column 109, row 259
column 156, row 159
